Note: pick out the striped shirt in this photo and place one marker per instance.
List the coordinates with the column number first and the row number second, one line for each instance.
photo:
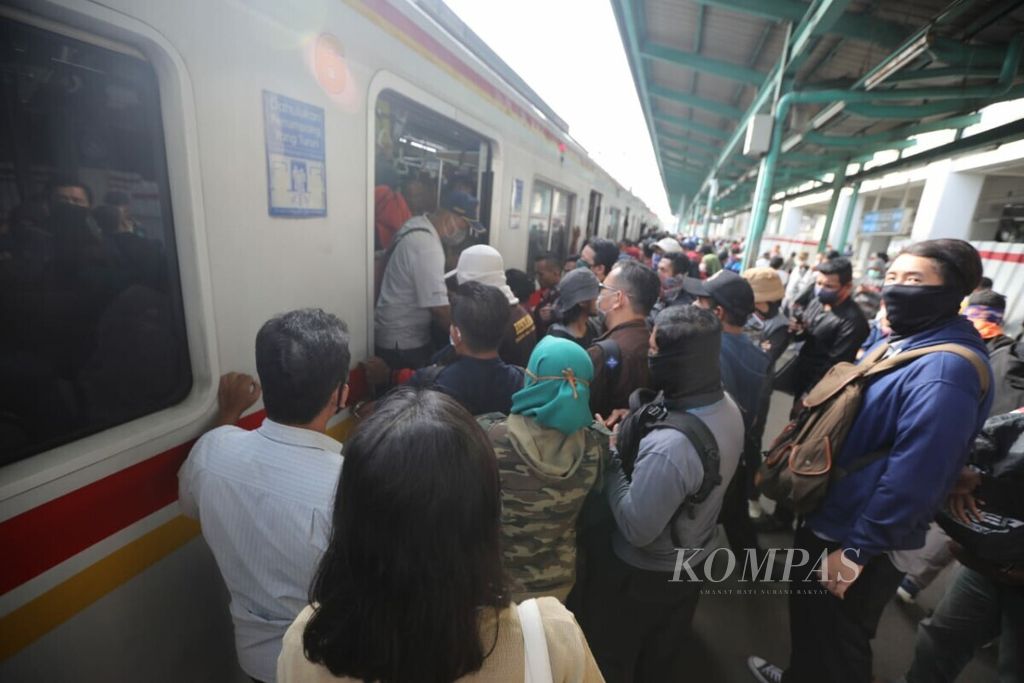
column 264, row 500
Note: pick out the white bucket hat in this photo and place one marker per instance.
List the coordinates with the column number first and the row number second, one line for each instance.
column 482, row 263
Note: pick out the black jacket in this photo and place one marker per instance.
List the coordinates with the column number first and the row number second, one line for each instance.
column 830, row 336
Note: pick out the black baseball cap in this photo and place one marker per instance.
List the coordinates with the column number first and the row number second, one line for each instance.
column 727, row 289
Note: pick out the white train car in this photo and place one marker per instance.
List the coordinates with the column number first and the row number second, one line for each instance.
column 239, row 145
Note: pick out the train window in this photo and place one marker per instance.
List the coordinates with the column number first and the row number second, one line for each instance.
column 550, row 216
column 92, row 330
column 419, row 156
column 614, row 215
column 593, row 213
column 515, row 214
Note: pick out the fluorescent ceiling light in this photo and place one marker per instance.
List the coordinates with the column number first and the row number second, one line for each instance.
column 899, row 60
column 827, row 114
column 792, row 142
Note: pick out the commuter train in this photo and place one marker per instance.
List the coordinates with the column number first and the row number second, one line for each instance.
column 227, row 157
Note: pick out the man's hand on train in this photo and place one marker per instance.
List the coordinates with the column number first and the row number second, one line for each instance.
column 236, row 393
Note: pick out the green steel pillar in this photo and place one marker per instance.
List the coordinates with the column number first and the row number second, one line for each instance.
column 837, row 189
column 762, row 200
column 712, row 191
column 848, row 218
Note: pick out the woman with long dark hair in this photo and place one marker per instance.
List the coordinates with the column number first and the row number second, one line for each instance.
column 411, row 586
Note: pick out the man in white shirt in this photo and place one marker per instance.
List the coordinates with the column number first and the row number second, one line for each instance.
column 413, row 292
column 265, row 498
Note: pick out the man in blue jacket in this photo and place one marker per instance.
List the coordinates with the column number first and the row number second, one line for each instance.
column 926, row 414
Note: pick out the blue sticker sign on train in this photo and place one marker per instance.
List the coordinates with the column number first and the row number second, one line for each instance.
column 296, row 170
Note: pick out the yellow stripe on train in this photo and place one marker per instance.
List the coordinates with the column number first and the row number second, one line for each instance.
column 51, row 609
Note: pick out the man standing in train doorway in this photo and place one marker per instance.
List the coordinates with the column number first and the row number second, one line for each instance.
column 412, row 293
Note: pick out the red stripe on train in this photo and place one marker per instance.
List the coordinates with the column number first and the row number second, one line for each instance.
column 1002, row 256
column 45, row 536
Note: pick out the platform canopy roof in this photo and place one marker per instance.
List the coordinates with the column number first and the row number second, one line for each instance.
column 844, row 79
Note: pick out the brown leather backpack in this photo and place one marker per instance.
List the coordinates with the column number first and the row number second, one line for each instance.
column 798, row 466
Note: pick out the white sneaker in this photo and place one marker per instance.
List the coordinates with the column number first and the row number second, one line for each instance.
column 905, row 597
column 763, row 671
column 754, row 509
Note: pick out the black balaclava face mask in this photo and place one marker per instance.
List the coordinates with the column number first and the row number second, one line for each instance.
column 691, row 370
column 915, row 308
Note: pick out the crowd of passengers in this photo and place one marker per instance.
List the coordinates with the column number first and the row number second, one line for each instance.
column 502, row 511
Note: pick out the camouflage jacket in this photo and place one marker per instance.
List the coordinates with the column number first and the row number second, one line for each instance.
column 545, row 477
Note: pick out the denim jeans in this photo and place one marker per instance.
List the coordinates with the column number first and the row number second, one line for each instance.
column 974, row 611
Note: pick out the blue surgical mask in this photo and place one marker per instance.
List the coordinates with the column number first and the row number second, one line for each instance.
column 826, row 295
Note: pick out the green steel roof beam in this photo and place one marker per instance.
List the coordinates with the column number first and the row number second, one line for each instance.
column 698, row 36
column 697, row 62
column 682, row 158
column 823, row 15
column 901, row 133
column 695, row 101
column 989, row 92
column 689, row 124
column 626, row 18
column 860, row 144
column 966, row 71
column 912, row 111
column 864, row 27
column 996, row 136
column 679, row 153
column 849, row 24
column 996, row 10
column 766, row 90
column 689, row 141
column 676, row 148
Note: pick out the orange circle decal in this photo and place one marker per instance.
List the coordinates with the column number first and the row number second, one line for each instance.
column 329, row 62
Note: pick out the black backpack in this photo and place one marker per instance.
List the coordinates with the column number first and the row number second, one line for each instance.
column 649, row 411
column 995, row 538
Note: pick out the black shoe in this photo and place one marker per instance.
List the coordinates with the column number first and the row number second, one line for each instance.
column 768, row 523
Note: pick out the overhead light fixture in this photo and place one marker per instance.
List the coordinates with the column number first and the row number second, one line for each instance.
column 791, row 142
column 827, row 114
column 896, row 62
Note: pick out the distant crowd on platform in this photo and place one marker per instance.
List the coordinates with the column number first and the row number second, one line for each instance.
column 541, row 460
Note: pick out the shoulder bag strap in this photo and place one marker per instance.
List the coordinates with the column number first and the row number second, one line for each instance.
column 906, row 356
column 535, row 643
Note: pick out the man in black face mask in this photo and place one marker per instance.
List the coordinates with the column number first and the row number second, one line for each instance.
column 918, row 420
column 634, row 611
column 832, row 327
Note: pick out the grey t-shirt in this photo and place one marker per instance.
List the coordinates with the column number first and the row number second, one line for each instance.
column 413, row 284
column 667, row 471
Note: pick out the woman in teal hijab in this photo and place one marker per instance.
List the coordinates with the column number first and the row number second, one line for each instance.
column 550, row 455
column 556, row 390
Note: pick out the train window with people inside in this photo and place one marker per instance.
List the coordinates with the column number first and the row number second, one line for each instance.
column 92, row 330
column 550, row 216
column 421, row 157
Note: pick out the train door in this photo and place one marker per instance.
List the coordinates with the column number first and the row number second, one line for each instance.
column 551, row 211
column 419, row 156
column 593, row 214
